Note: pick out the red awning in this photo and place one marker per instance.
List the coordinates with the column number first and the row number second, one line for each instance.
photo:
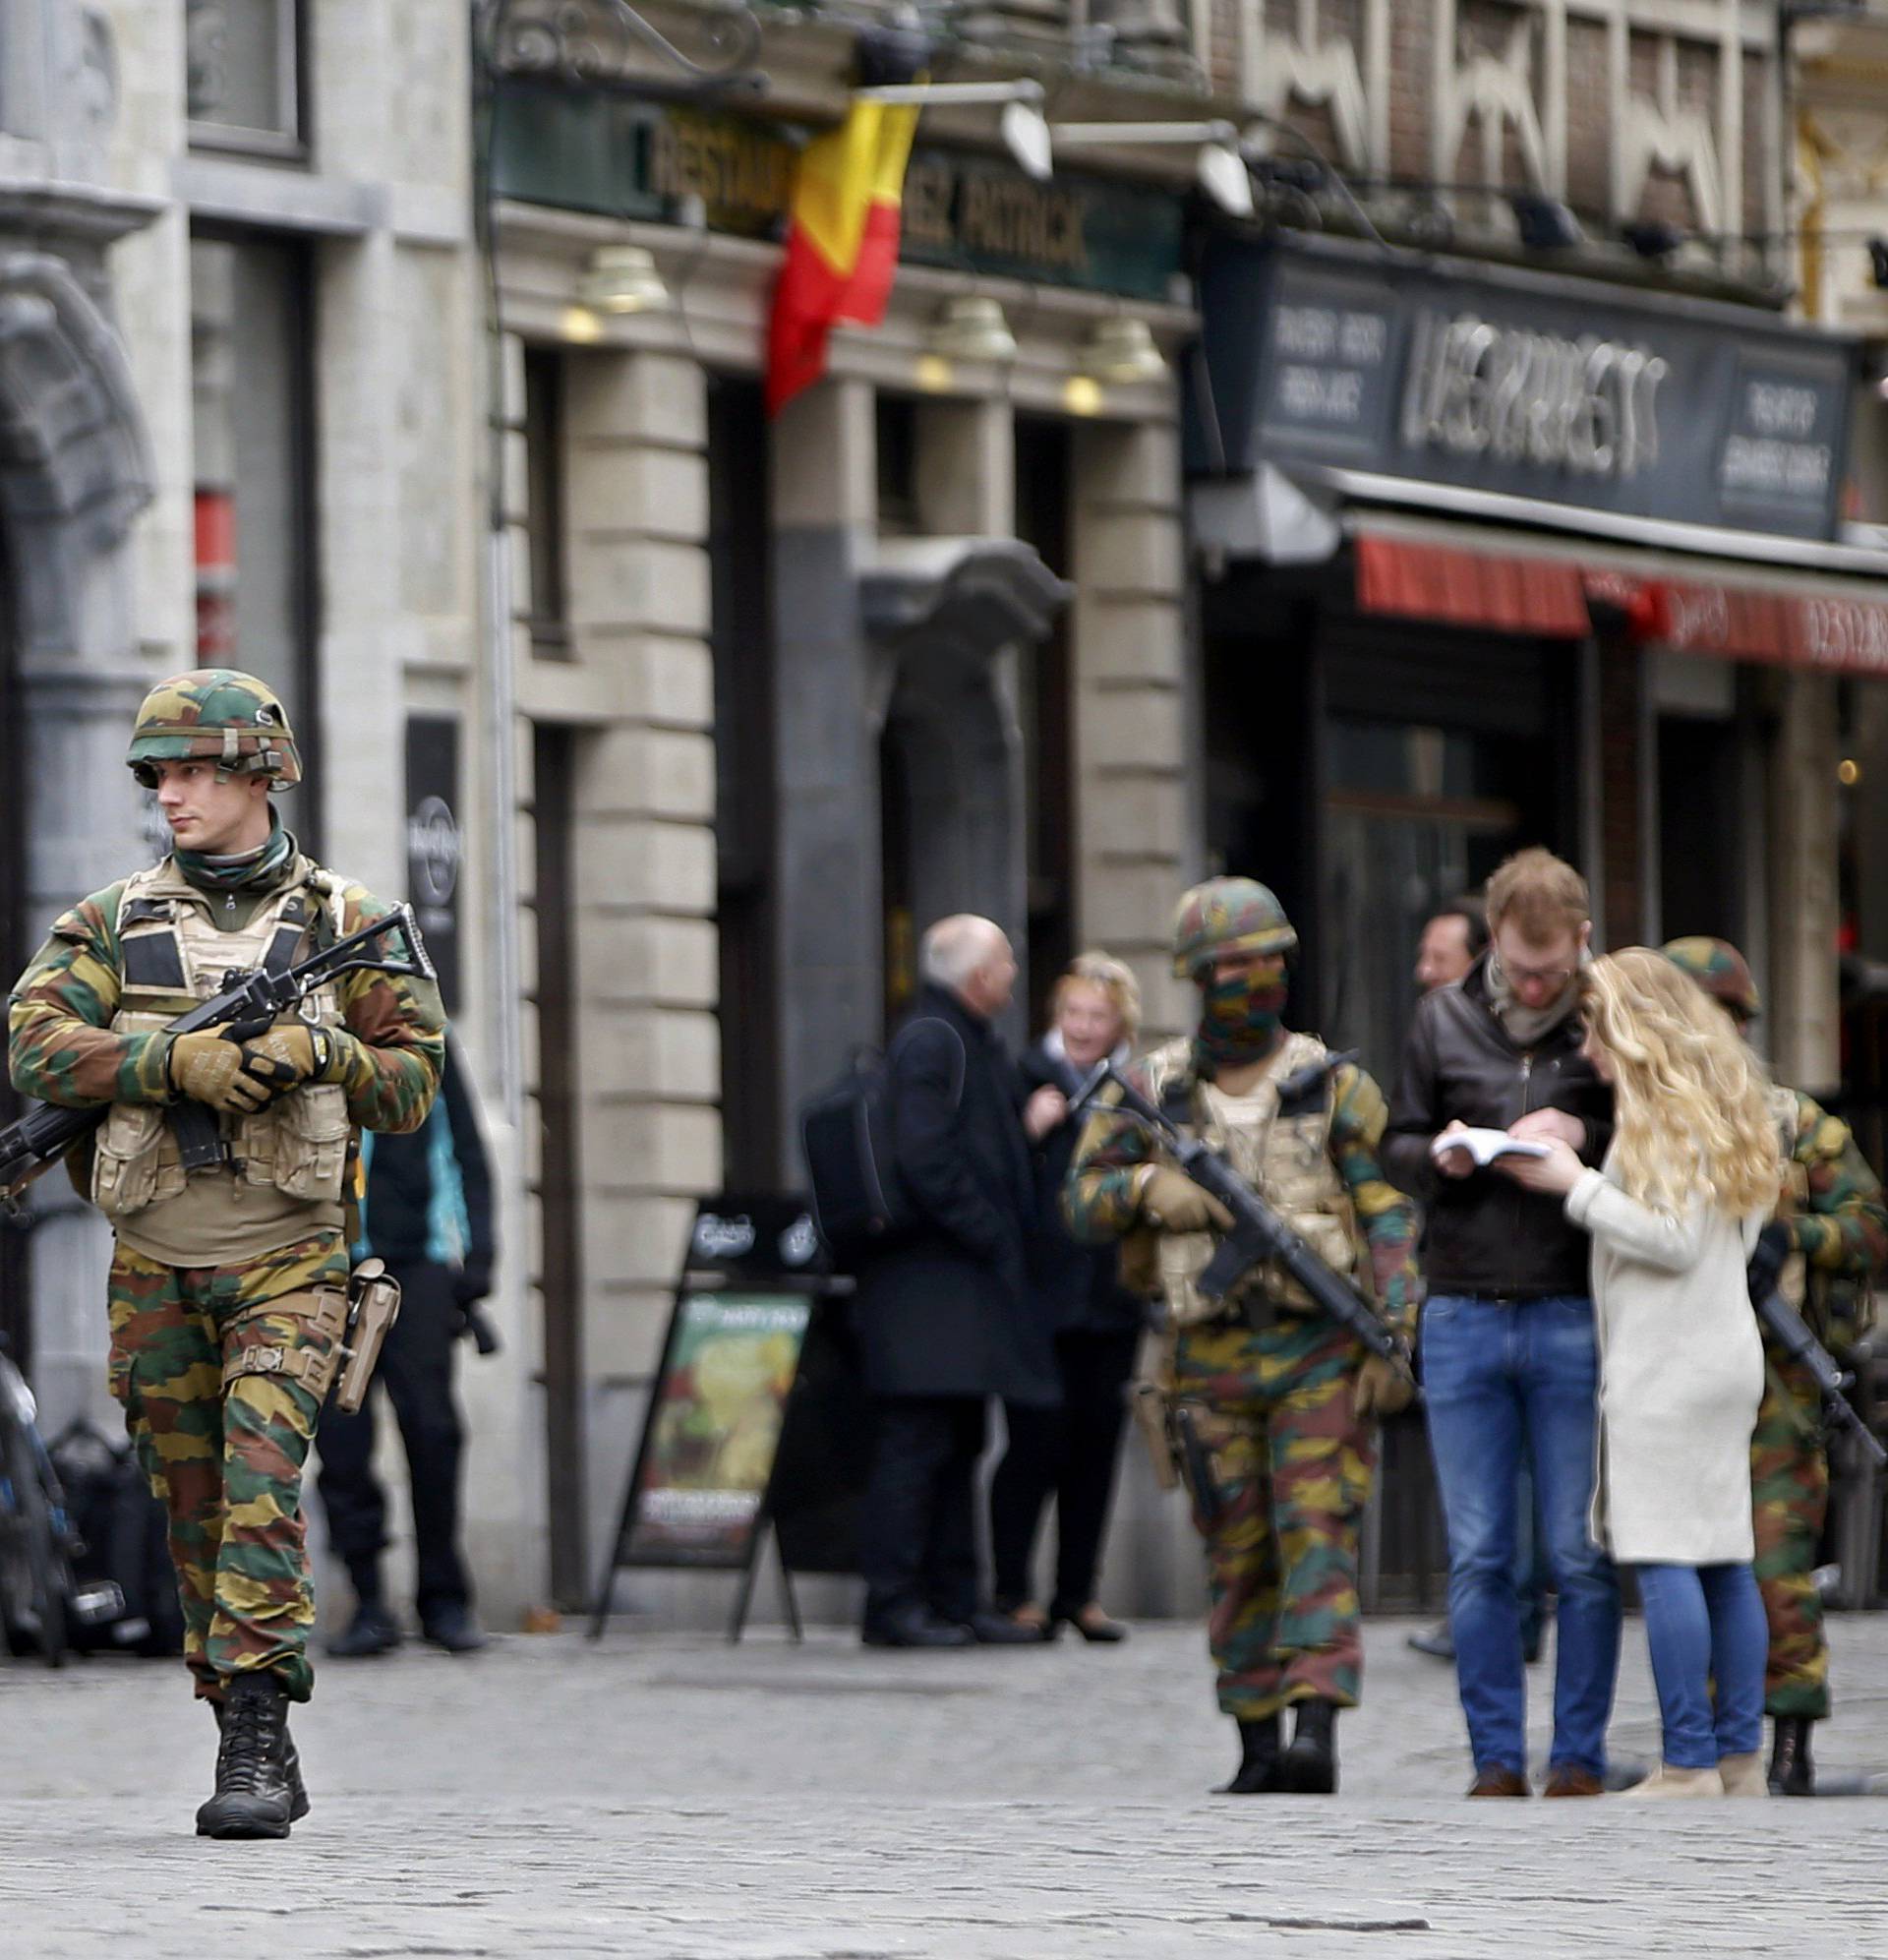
column 1788, row 624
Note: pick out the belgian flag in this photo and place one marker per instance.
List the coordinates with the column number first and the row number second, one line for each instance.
column 842, row 241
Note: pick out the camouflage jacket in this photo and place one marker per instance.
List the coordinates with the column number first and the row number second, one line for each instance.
column 1841, row 1225
column 60, row 1046
column 1101, row 1204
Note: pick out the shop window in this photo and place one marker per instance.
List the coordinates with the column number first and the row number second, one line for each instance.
column 252, row 466
column 544, row 438
column 243, row 74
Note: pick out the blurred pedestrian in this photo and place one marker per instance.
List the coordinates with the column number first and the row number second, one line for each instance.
column 1832, row 1228
column 1510, row 1365
column 428, row 1213
column 1094, row 1321
column 942, row 1311
column 1452, row 940
column 1277, row 1401
column 1674, row 1214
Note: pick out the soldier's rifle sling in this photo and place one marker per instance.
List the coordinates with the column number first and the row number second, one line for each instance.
column 43, row 1135
column 1259, row 1232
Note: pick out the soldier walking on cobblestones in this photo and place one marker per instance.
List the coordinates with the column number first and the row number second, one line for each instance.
column 1833, row 1225
column 228, row 1290
column 1276, row 1403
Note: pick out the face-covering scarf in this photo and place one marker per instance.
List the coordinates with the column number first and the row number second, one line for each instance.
column 1239, row 1015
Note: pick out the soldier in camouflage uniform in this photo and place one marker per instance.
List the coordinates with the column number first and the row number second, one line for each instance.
column 1280, row 1399
column 1835, row 1227
column 228, row 1285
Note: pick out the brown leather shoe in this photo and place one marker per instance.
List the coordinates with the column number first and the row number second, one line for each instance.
column 1568, row 1779
column 1496, row 1780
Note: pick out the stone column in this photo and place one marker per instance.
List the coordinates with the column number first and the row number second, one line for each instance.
column 636, row 500
column 1804, row 1020
column 831, row 959
column 1136, row 840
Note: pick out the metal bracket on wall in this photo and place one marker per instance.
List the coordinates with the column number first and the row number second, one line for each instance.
column 594, row 43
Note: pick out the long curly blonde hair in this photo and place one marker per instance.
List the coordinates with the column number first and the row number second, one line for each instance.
column 1691, row 1100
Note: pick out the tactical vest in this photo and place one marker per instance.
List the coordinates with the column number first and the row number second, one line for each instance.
column 170, row 957
column 1284, row 1155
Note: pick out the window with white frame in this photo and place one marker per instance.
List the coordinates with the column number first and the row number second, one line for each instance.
column 244, row 69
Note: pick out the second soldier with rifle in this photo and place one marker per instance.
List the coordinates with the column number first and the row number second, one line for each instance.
column 1274, row 1395
column 223, row 1163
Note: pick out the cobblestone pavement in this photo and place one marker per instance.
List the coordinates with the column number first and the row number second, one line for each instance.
column 676, row 1797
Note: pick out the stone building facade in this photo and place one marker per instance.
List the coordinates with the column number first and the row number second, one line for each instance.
column 413, row 356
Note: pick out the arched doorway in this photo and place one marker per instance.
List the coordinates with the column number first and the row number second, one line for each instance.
column 75, row 469
column 947, row 617
column 16, row 1327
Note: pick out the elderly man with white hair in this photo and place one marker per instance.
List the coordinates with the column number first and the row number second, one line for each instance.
column 941, row 1310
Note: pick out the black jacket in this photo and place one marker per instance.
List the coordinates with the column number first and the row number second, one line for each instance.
column 1078, row 1287
column 405, row 1204
column 943, row 1310
column 1485, row 1233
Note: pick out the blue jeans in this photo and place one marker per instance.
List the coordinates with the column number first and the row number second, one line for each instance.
column 1506, row 1381
column 1705, row 1624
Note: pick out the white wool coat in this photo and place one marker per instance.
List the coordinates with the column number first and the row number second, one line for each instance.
column 1680, row 1377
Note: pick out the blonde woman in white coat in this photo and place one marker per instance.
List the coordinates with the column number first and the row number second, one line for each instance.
column 1674, row 1214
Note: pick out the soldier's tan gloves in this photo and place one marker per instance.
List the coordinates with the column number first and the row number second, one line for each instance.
column 1173, row 1201
column 1384, row 1388
column 287, row 1057
column 208, row 1069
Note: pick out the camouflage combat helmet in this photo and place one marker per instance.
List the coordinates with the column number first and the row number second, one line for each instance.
column 215, row 715
column 1227, row 915
column 1719, row 967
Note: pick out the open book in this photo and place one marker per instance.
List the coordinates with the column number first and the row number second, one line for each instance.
column 1484, row 1146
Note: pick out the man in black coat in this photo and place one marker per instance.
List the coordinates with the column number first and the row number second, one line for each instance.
column 942, row 1313
column 428, row 1215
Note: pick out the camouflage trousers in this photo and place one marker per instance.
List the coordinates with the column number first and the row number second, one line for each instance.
column 1790, row 1488
column 1291, row 1467
column 221, row 1371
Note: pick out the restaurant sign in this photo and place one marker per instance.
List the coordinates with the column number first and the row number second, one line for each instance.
column 640, row 160
column 1526, row 386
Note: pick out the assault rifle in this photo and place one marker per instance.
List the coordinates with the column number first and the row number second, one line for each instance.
column 1258, row 1232
column 247, row 1005
column 1798, row 1344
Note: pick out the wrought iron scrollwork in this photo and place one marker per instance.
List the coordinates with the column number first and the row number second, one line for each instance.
column 587, row 42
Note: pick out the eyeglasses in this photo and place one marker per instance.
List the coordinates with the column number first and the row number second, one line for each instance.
column 1554, row 977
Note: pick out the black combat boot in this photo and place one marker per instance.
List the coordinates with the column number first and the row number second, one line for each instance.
column 298, row 1803
column 252, row 1797
column 1257, row 1772
column 1792, row 1771
column 1309, row 1766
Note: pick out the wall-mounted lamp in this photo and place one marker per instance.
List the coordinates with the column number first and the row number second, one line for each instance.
column 1025, row 134
column 970, row 328
column 1122, row 350
column 1221, row 169
column 622, row 279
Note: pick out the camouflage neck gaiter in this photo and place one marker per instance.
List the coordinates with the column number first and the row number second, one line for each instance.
column 1239, row 1017
column 258, row 870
